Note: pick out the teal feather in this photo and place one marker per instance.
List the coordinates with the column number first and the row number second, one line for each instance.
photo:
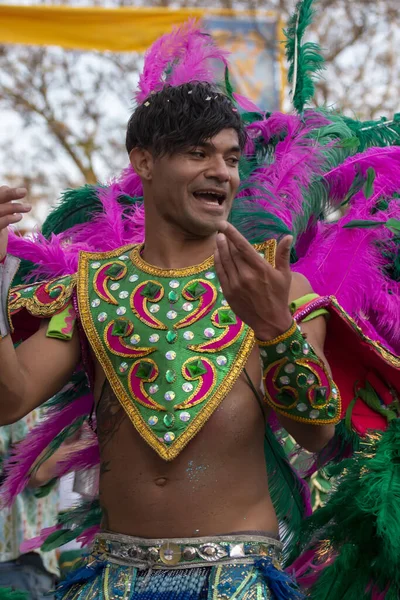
column 74, row 208
column 361, row 522
column 285, row 490
column 305, row 59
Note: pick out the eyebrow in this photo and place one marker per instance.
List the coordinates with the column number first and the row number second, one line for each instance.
column 210, row 146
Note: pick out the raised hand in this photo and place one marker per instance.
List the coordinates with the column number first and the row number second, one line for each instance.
column 10, row 212
column 257, row 293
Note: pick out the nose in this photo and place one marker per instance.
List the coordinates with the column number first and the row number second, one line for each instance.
column 218, row 169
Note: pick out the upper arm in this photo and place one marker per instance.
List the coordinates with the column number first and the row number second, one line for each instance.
column 46, row 365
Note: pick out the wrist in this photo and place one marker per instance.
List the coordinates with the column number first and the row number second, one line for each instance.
column 270, row 334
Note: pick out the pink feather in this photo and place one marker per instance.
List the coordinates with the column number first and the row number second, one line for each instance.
column 80, row 460
column 18, row 466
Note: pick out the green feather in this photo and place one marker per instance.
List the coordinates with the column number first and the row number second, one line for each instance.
column 305, row 59
column 361, row 522
column 75, row 207
column 378, row 133
column 10, row 594
column 57, row 539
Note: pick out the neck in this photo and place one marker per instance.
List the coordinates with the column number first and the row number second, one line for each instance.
column 169, row 248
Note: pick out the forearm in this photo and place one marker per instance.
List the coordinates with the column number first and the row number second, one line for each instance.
column 13, row 385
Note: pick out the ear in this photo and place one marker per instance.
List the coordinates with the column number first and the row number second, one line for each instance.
column 142, row 163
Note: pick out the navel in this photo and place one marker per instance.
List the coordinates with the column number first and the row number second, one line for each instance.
column 161, row 481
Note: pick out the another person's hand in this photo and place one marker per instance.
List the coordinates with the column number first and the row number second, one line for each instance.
column 10, row 212
column 257, row 293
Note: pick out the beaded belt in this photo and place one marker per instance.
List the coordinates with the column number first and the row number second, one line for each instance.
column 146, row 553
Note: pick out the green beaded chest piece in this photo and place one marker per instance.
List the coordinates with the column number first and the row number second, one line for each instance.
column 168, row 342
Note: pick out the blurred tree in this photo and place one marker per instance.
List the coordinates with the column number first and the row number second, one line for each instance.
column 64, row 112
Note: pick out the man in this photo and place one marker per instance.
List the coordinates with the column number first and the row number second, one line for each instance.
column 180, row 431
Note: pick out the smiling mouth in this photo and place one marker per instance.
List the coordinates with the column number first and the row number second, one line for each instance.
column 211, row 196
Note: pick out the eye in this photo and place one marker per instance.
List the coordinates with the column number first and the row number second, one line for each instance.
column 233, row 161
column 197, row 153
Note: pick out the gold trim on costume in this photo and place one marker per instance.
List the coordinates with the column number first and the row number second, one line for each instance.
column 142, row 265
column 37, row 308
column 280, row 338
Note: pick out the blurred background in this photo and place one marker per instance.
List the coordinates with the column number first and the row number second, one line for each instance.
column 63, row 112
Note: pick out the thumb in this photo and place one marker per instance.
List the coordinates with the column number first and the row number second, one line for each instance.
column 282, row 256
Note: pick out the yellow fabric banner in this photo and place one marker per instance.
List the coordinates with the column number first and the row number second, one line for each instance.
column 118, row 30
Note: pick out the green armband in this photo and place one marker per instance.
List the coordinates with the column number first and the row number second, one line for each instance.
column 61, row 325
column 303, row 301
column 297, row 383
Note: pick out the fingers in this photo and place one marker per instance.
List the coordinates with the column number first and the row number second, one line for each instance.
column 244, row 248
column 8, row 194
column 11, row 211
column 221, row 274
column 282, row 257
column 227, row 260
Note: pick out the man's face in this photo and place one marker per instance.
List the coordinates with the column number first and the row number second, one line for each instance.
column 194, row 189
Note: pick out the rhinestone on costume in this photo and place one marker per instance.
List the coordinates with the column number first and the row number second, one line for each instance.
column 174, row 284
column 124, row 257
column 196, row 368
column 210, row 275
column 189, row 553
column 171, row 336
column 211, row 551
column 184, row 416
column 170, row 553
column 135, row 339
column 187, row 306
column 121, row 310
column 284, row 380
column 55, row 293
column 306, row 348
column 173, row 296
column 153, row 554
column 236, row 550
column 170, row 355
column 169, row 436
column 170, row 376
column 188, row 335
column 154, row 308
column 95, row 265
column 169, row 396
column 30, row 288
column 281, row 348
column 331, row 410
column 227, row 317
column 123, row 367
column 154, row 338
column 195, row 289
column 123, row 294
column 302, row 380
column 172, row 314
column 224, row 302
column 209, row 332
column 144, row 370
column 321, row 394
column 115, row 286
column 169, row 419
column 295, row 347
column 310, row 379
column 187, row 387
column 301, row 407
column 120, row 327
column 151, row 290
column 133, row 278
column 221, row 360
column 290, row 368
column 153, row 389
column 114, row 270
column 102, row 317
column 334, row 392
column 95, row 303
column 153, row 420
column 263, row 353
column 314, row 414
